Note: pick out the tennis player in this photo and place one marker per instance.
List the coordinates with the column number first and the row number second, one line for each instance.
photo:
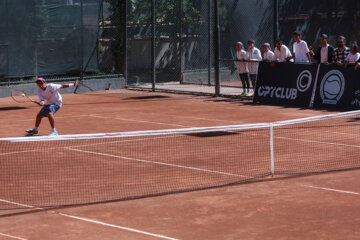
column 51, row 101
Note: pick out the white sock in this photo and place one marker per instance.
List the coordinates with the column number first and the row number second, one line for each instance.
column 53, row 129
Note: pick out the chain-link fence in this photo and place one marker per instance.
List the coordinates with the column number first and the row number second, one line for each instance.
column 57, row 39
column 182, row 56
column 158, row 44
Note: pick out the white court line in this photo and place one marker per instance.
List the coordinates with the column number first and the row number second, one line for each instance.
column 314, row 141
column 93, row 221
column 197, row 118
column 27, row 151
column 160, row 163
column 307, row 140
column 10, row 236
column 119, row 227
column 331, row 189
column 94, row 144
column 142, row 121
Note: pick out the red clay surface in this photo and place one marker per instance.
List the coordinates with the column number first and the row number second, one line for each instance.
column 324, row 206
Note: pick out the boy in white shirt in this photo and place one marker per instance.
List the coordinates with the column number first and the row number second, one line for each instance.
column 301, row 50
column 254, row 56
column 242, row 68
column 49, row 93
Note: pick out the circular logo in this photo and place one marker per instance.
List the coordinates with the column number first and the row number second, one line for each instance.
column 304, row 81
column 332, row 87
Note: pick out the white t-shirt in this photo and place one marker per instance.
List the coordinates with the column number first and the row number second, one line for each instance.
column 352, row 58
column 51, row 94
column 268, row 56
column 324, row 54
column 282, row 54
column 300, row 51
column 253, row 54
column 242, row 67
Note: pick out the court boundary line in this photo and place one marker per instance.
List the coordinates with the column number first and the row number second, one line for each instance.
column 331, row 189
column 93, row 144
column 92, row 221
column 160, row 163
column 133, row 120
column 10, row 236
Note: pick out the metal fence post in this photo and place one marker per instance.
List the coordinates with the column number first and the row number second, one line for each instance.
column 209, row 42
column 126, row 44
column 82, row 36
column 276, row 20
column 216, row 48
column 153, row 48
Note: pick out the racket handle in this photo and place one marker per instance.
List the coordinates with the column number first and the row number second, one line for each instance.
column 36, row 102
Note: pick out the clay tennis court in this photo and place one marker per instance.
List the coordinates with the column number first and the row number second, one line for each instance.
column 195, row 192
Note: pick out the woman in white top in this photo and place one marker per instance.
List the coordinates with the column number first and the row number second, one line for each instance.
column 353, row 56
column 268, row 54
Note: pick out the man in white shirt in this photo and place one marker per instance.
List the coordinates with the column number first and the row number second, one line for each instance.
column 254, row 56
column 51, row 101
column 242, row 67
column 281, row 52
column 301, row 50
column 268, row 54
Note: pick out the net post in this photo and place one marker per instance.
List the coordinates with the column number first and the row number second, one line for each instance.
column 272, row 164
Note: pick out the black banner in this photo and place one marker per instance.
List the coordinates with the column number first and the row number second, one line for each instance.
column 285, row 83
column 338, row 87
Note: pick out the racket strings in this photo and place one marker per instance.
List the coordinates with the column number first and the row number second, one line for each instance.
column 19, row 95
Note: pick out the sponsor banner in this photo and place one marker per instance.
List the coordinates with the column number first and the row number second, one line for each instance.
column 338, row 87
column 285, row 83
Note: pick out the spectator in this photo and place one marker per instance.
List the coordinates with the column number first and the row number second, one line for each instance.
column 281, row 52
column 353, row 56
column 341, row 52
column 301, row 50
column 254, row 56
column 242, row 68
column 268, row 54
column 324, row 53
column 357, row 64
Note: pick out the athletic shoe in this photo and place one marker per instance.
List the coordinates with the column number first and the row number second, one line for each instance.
column 249, row 94
column 32, row 131
column 53, row 133
column 243, row 94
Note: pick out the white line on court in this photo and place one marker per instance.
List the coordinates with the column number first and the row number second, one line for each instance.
column 196, row 118
column 160, row 163
column 314, row 141
column 331, row 189
column 307, row 140
column 10, row 236
column 119, row 227
column 94, row 144
column 91, row 221
column 133, row 120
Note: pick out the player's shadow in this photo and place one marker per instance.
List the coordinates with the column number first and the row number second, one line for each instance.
column 11, row 108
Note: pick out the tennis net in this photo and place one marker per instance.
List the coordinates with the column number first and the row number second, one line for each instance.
column 93, row 168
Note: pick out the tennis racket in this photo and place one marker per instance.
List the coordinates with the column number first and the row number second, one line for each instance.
column 21, row 96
